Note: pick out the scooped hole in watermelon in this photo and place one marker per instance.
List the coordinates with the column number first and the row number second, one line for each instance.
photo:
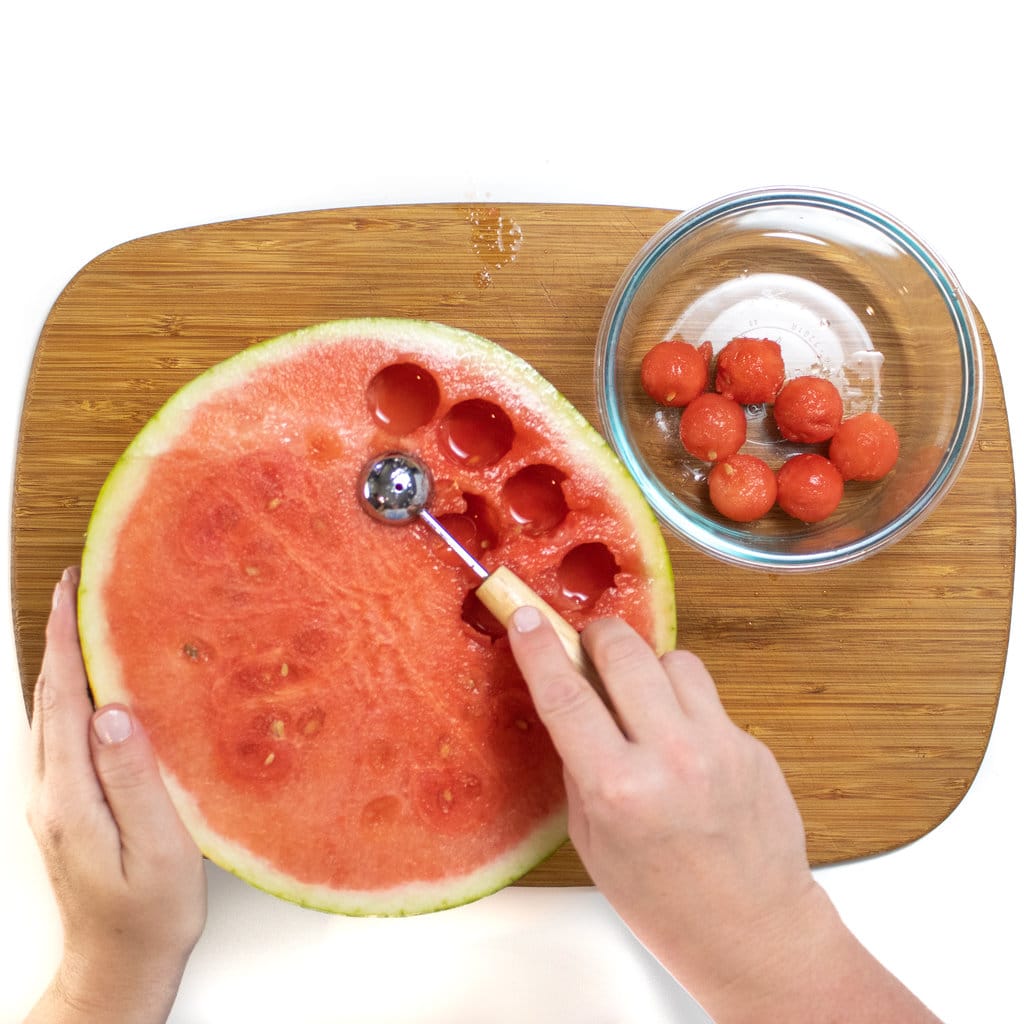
column 476, row 433
column 403, row 397
column 477, row 615
column 485, row 521
column 535, row 499
column 476, row 529
column 586, row 572
column 463, row 529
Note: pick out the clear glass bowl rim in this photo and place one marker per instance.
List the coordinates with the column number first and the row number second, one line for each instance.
column 691, row 526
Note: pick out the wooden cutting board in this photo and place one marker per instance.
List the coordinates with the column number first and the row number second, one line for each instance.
column 875, row 684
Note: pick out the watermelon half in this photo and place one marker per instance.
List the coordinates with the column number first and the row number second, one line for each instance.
column 337, row 717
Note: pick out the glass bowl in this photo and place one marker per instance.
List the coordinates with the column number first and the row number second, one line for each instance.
column 849, row 293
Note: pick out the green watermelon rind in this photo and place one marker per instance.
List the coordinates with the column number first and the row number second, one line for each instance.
column 485, row 361
column 402, row 901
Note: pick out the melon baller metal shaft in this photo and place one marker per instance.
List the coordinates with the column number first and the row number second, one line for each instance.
column 396, row 487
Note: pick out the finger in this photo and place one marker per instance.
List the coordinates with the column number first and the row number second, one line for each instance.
column 577, row 821
column 135, row 792
column 37, row 691
column 63, row 706
column 38, row 747
column 634, row 677
column 692, row 684
column 581, row 727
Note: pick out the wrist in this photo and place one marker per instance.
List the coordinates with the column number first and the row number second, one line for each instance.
column 789, row 965
column 113, row 989
column 812, row 969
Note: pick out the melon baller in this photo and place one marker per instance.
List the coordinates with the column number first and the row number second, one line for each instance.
column 396, row 487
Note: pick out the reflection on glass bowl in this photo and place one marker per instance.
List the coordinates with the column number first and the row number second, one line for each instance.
column 850, row 294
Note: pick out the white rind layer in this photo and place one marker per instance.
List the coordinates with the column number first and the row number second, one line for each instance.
column 419, row 897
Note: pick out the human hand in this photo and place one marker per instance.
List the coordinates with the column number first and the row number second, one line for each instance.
column 686, row 824
column 128, row 878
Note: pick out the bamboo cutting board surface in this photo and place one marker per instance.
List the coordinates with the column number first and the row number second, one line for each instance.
column 875, row 684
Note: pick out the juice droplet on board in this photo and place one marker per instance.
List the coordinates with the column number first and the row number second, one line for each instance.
column 494, row 238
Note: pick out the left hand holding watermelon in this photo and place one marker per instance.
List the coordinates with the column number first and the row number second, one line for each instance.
column 128, row 878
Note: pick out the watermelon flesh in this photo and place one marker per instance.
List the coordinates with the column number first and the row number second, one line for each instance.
column 337, row 716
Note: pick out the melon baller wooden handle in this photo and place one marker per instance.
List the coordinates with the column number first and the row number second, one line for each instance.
column 395, row 488
column 503, row 592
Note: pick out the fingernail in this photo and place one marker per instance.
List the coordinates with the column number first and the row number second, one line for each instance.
column 526, row 619
column 112, row 725
column 67, row 576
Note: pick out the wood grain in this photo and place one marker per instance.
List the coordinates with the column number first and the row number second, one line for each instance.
column 875, row 684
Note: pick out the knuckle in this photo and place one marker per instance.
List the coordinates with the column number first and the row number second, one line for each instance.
column 47, row 823
column 616, row 792
column 612, row 645
column 44, row 696
column 689, row 671
column 681, row 661
column 562, row 693
column 54, row 632
column 123, row 770
column 622, row 790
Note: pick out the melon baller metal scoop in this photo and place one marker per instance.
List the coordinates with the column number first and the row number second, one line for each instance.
column 395, row 488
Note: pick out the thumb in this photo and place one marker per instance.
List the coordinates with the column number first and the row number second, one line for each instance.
column 128, row 772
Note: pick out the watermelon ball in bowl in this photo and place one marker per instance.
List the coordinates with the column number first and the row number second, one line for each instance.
column 834, row 308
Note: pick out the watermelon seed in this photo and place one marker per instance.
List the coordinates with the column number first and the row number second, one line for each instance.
column 284, row 668
column 251, row 570
column 277, row 729
column 273, row 503
column 522, row 725
column 445, row 749
column 446, row 800
column 269, row 759
column 191, row 651
column 311, row 727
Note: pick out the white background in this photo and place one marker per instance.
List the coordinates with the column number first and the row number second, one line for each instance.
column 122, row 119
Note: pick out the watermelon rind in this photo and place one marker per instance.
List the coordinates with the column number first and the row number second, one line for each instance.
column 126, row 481
column 421, row 897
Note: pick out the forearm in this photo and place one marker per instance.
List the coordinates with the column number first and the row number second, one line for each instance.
column 823, row 976
column 126, row 993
